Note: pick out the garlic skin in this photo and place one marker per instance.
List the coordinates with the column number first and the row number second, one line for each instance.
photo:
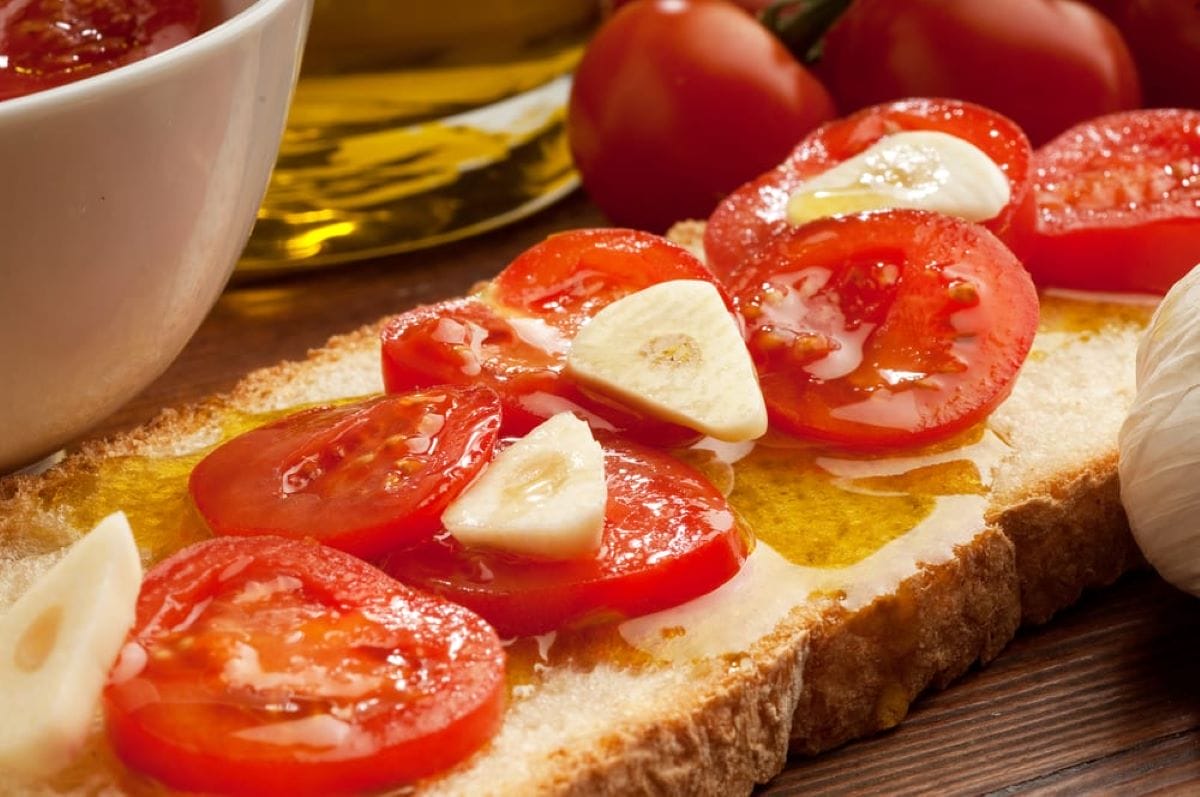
column 1159, row 442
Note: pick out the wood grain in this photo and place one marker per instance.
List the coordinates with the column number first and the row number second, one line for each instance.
column 1104, row 699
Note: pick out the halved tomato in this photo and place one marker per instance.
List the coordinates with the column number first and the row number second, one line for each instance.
column 751, row 216
column 268, row 666
column 885, row 329
column 515, row 334
column 1117, row 204
column 364, row 477
column 669, row 536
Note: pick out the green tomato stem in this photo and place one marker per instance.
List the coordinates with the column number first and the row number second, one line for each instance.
column 801, row 24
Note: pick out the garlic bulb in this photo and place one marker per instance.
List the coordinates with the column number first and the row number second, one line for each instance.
column 1160, row 440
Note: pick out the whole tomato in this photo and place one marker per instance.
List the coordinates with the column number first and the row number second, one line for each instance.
column 678, row 102
column 1164, row 36
column 1046, row 64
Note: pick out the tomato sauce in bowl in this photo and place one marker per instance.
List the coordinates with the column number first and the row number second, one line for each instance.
column 46, row 43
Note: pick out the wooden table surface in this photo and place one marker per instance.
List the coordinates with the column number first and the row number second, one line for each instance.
column 1104, row 699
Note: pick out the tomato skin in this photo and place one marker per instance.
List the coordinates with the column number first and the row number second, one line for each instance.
column 1117, row 204
column 1164, row 36
column 669, row 536
column 515, row 334
column 677, row 102
column 362, row 477
column 1046, row 64
column 236, row 634
column 886, row 329
column 46, row 43
column 751, row 217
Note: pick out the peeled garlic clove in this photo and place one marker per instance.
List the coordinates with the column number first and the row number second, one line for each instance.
column 924, row 169
column 57, row 645
column 1159, row 442
column 543, row 496
column 673, row 351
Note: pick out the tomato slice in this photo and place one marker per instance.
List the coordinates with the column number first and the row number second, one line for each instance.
column 569, row 277
column 751, row 216
column 364, row 477
column 464, row 341
column 885, row 329
column 268, row 666
column 45, row 43
column 669, row 536
column 516, row 334
column 1117, row 204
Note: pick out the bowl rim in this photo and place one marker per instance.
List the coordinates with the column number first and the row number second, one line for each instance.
column 207, row 41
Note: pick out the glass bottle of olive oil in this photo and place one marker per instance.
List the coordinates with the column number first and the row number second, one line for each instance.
column 417, row 122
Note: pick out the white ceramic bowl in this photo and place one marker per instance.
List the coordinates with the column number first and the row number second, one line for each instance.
column 125, row 200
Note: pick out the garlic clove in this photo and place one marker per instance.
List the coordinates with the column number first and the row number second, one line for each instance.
column 674, row 351
column 543, row 496
column 57, row 644
column 1159, row 443
column 925, row 169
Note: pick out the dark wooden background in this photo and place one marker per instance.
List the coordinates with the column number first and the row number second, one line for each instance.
column 1104, row 699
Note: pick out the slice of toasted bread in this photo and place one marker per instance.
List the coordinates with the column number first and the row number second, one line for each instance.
column 803, row 646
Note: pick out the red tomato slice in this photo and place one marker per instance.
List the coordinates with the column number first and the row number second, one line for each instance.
column 886, row 329
column 669, row 536
column 363, row 477
column 1117, row 204
column 464, row 341
column 268, row 666
column 45, row 43
column 569, row 277
column 516, row 335
column 751, row 216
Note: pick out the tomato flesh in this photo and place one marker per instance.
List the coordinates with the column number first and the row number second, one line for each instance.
column 516, row 334
column 45, row 43
column 750, row 218
column 669, row 536
column 1117, row 204
column 886, row 329
column 265, row 666
column 364, row 477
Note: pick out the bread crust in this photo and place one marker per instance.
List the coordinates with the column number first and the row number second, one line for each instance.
column 735, row 737
column 865, row 668
column 1069, row 534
